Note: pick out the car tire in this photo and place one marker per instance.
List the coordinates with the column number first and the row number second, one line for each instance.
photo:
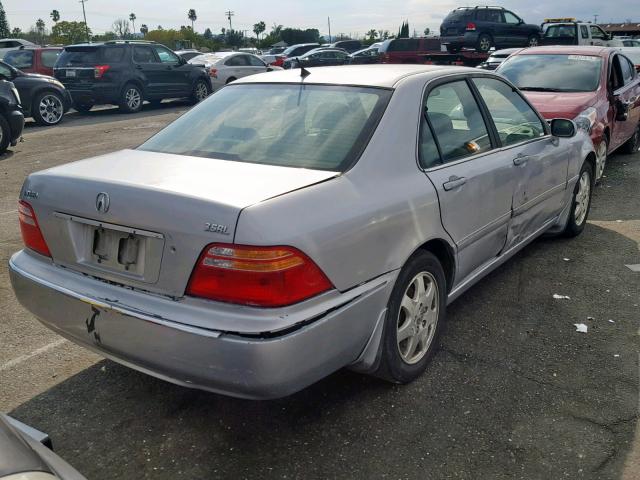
column 421, row 317
column 200, row 91
column 602, row 154
column 580, row 202
column 485, row 42
column 229, row 80
column 131, row 98
column 533, row 41
column 83, row 107
column 5, row 134
column 48, row 108
column 632, row 145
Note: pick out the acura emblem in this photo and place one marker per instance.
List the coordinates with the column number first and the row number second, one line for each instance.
column 102, row 202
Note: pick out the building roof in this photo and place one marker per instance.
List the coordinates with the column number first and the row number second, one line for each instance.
column 384, row 76
column 622, row 27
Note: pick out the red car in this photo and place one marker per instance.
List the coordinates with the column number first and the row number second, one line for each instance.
column 597, row 87
column 34, row 59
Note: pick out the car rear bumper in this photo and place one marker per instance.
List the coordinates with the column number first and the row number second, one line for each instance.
column 469, row 39
column 257, row 366
column 93, row 94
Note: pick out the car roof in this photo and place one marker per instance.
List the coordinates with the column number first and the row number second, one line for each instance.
column 568, row 50
column 381, row 76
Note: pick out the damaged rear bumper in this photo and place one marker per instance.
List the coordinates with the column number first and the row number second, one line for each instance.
column 251, row 366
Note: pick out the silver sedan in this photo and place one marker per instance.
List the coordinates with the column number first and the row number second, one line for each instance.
column 297, row 223
column 225, row 67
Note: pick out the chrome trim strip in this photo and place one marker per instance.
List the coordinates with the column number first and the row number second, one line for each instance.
column 110, row 226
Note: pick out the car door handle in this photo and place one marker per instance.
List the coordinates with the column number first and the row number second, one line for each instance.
column 454, row 182
column 139, row 67
column 520, row 160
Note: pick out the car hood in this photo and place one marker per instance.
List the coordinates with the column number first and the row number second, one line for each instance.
column 561, row 104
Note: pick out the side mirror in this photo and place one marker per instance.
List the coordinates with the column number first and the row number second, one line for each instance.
column 563, row 128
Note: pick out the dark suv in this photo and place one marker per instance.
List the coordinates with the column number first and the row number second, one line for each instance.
column 11, row 117
column 482, row 28
column 125, row 73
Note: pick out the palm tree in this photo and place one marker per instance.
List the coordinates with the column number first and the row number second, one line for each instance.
column 372, row 34
column 258, row 28
column 144, row 29
column 40, row 28
column 55, row 16
column 132, row 18
column 191, row 15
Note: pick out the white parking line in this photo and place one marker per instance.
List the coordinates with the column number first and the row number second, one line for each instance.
column 23, row 358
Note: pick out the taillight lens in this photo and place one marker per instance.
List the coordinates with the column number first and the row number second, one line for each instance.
column 100, row 70
column 257, row 276
column 471, row 27
column 31, row 234
column 213, row 72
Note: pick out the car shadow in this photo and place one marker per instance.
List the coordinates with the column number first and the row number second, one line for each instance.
column 513, row 392
column 6, row 155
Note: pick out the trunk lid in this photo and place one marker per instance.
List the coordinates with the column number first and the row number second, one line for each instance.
column 142, row 218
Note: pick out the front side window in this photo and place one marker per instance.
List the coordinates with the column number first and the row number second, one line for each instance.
column 514, row 119
column 5, row 71
column 511, row 18
column 319, row 127
column 628, row 71
column 553, row 73
column 166, row 55
column 597, row 33
column 19, row 58
column 456, row 121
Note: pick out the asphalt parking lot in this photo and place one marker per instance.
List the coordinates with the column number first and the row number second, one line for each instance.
column 514, row 391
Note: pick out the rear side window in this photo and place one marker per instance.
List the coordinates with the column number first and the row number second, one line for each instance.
column 20, row 58
column 514, row 119
column 49, row 57
column 71, row 57
column 237, row 61
column 487, row 15
column 404, row 45
column 255, row 61
column 113, row 54
column 456, row 121
column 143, row 55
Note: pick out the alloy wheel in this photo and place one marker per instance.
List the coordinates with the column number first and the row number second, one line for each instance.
column 533, row 42
column 202, row 91
column 601, row 159
column 583, row 197
column 418, row 317
column 133, row 98
column 485, row 44
column 51, row 109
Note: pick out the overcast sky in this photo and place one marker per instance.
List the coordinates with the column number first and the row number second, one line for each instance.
column 347, row 16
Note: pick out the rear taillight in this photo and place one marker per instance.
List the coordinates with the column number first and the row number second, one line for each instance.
column 471, row 27
column 31, row 234
column 100, row 70
column 258, row 276
column 213, row 72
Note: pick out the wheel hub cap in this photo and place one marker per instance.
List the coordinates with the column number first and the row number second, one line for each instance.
column 417, row 318
column 51, row 109
column 583, row 196
column 133, row 98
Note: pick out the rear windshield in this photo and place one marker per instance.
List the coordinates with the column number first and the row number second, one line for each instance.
column 19, row 58
column 553, row 73
column 78, row 56
column 556, row 31
column 318, row 127
column 49, row 57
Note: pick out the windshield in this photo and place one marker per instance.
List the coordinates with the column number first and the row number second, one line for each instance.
column 556, row 73
column 318, row 127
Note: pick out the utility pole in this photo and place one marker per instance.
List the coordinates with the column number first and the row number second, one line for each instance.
column 229, row 15
column 595, row 18
column 86, row 27
column 329, row 23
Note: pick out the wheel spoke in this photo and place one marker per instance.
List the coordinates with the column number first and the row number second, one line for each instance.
column 411, row 346
column 406, row 330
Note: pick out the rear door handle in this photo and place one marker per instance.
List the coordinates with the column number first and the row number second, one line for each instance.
column 454, row 182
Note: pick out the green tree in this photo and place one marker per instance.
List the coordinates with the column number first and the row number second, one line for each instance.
column 4, row 24
column 191, row 15
column 55, row 16
column 132, row 18
column 258, row 28
column 234, row 38
column 427, row 31
column 69, row 32
column 372, row 34
column 208, row 34
column 144, row 29
column 16, row 32
column 121, row 28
